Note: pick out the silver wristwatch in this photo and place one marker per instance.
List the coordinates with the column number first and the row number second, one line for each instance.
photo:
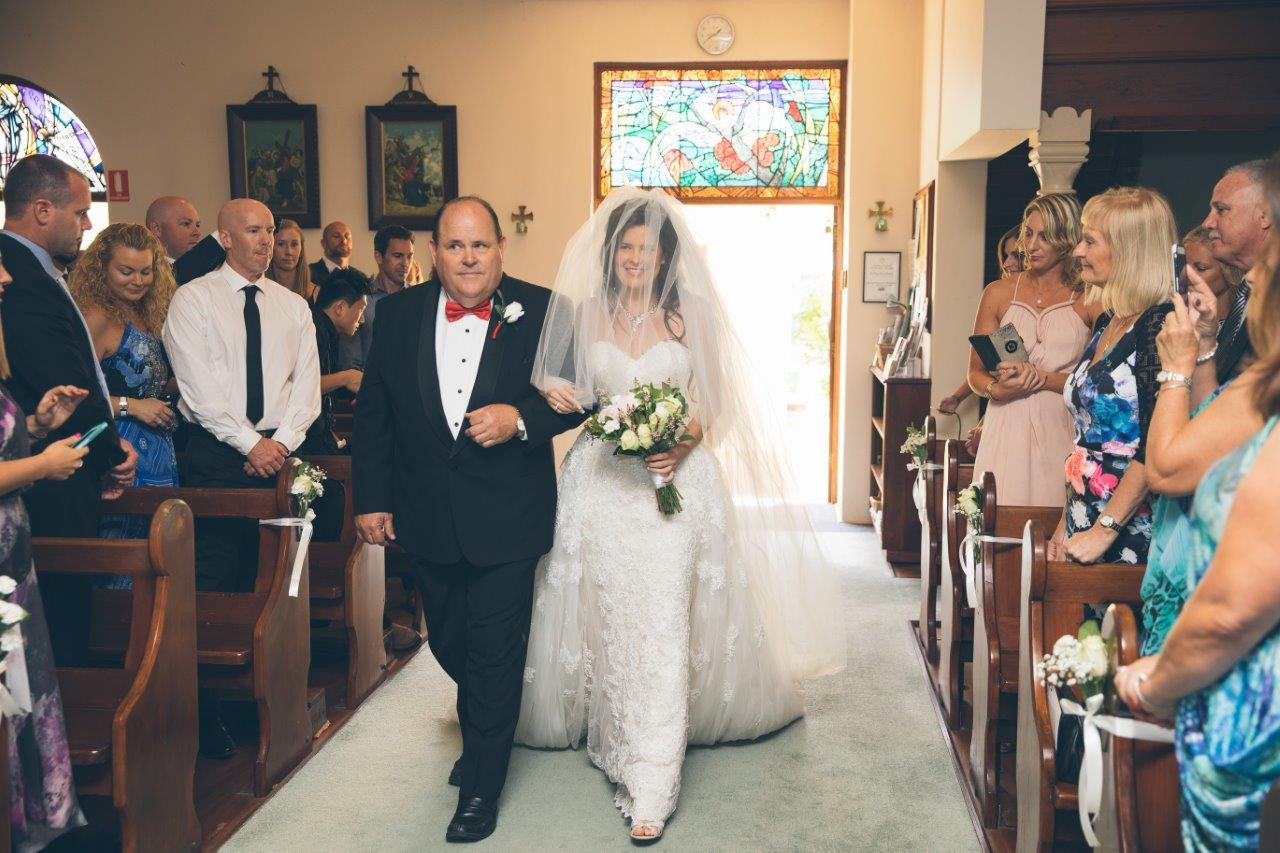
column 1109, row 523
column 123, row 409
column 520, row 430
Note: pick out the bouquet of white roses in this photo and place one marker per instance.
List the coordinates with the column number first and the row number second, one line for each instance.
column 916, row 446
column 1082, row 664
column 969, row 504
column 307, row 485
column 646, row 420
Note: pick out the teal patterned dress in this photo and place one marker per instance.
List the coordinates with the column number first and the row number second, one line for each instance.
column 1228, row 734
column 1167, row 583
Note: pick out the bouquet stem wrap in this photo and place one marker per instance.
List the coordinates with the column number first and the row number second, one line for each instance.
column 670, row 501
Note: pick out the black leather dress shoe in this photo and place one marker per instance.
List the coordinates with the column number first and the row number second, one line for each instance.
column 216, row 741
column 455, row 775
column 476, row 818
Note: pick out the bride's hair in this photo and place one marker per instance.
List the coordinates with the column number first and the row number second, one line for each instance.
column 665, row 293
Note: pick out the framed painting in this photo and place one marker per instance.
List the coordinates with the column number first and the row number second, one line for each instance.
column 275, row 158
column 922, row 245
column 412, row 157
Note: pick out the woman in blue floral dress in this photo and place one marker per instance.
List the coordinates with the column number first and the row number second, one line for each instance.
column 123, row 284
column 42, row 796
column 1111, row 393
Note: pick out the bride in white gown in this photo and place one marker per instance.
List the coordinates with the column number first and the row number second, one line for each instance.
column 651, row 632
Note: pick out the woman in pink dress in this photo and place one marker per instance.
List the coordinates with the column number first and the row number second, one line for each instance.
column 1027, row 432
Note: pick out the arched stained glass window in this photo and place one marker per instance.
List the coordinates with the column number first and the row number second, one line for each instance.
column 721, row 132
column 32, row 121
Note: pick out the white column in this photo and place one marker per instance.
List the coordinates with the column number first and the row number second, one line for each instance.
column 1059, row 148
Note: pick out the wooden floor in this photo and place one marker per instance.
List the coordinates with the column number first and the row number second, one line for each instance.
column 1002, row 839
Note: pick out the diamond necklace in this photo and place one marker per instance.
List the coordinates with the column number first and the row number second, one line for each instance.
column 637, row 321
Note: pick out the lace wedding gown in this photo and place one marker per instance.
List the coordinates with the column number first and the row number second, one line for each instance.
column 647, row 634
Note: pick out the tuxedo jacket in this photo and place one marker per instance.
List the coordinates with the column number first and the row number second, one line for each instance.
column 47, row 345
column 452, row 499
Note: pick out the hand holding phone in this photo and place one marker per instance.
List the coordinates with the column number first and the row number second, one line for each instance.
column 1179, row 258
column 89, row 436
column 62, row 459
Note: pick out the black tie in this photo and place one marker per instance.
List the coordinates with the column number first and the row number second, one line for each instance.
column 252, row 355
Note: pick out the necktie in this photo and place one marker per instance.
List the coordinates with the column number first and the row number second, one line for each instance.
column 454, row 311
column 252, row 355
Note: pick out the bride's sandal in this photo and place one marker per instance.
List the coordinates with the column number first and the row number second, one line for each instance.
column 651, row 831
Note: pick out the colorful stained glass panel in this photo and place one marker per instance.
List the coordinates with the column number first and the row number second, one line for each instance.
column 34, row 122
column 720, row 133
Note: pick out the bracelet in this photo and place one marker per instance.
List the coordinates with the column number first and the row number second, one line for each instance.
column 1175, row 383
column 1202, row 359
column 986, row 392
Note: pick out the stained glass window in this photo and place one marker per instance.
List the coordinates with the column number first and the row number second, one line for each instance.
column 718, row 132
column 34, row 122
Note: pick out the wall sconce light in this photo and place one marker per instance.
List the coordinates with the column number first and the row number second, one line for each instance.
column 521, row 219
column 881, row 215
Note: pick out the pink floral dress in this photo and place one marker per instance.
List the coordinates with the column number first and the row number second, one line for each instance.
column 42, row 802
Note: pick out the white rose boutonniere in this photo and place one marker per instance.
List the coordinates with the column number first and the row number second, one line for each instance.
column 508, row 312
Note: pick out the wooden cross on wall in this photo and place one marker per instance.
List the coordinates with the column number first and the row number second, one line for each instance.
column 521, row 219
column 409, row 95
column 271, row 95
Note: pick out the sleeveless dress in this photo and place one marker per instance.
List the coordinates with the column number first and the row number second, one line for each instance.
column 1110, row 404
column 645, row 633
column 1025, row 441
column 1228, row 734
column 1167, row 584
column 42, row 795
column 140, row 369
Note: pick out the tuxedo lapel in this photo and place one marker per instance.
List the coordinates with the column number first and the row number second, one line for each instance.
column 428, row 376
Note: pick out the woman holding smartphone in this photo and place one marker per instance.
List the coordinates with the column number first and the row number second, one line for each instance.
column 43, row 801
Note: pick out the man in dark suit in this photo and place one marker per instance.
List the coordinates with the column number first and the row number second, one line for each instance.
column 453, row 460
column 1241, row 230
column 46, row 215
column 335, row 245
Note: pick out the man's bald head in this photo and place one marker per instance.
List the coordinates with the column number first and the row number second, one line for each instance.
column 336, row 242
column 247, row 230
column 176, row 222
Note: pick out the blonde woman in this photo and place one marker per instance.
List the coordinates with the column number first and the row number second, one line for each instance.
column 123, row 284
column 1027, row 432
column 289, row 262
column 1124, row 252
column 1221, row 278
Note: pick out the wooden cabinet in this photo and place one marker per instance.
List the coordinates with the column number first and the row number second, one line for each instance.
column 895, row 403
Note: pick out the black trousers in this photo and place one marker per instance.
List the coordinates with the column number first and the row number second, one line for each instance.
column 478, row 629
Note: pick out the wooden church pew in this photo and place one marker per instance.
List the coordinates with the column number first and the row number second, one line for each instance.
column 256, row 643
column 931, row 489
column 1052, row 604
column 132, row 728
column 998, row 584
column 348, row 586
column 1146, row 791
column 955, row 631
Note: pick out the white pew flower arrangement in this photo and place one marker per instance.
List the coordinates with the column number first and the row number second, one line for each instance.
column 1084, row 667
column 969, row 504
column 916, row 446
column 306, row 486
column 11, row 617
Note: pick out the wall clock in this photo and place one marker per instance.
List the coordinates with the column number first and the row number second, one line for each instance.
column 715, row 34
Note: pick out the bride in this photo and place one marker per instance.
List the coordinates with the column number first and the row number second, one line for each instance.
column 651, row 632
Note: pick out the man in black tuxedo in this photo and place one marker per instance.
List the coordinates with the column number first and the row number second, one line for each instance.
column 335, row 245
column 453, row 460
column 46, row 215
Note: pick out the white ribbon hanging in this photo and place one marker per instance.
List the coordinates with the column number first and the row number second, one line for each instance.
column 15, row 690
column 304, row 541
column 917, row 490
column 973, row 537
column 1089, row 785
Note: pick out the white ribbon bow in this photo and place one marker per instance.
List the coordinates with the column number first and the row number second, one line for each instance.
column 1089, row 785
column 304, row 541
column 15, row 691
column 973, row 537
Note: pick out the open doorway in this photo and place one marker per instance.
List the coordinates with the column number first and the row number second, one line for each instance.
column 774, row 265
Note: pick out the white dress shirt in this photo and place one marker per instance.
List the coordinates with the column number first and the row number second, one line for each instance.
column 458, row 348
column 204, row 336
column 328, row 264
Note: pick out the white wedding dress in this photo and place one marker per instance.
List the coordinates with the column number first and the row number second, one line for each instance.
column 647, row 633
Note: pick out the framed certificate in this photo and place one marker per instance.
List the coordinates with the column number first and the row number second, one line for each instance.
column 881, row 273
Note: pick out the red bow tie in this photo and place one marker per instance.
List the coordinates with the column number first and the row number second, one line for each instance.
column 453, row 311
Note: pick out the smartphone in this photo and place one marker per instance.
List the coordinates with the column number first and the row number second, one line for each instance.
column 1179, row 269
column 90, row 435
